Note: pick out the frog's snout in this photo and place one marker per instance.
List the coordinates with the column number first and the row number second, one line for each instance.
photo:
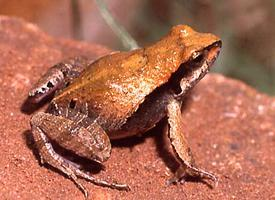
column 213, row 52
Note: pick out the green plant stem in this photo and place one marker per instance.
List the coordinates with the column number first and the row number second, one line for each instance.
column 127, row 40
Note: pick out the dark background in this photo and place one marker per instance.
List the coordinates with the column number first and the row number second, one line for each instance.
column 247, row 27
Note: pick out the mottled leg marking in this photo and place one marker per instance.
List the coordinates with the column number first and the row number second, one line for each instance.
column 181, row 146
column 57, row 77
column 48, row 154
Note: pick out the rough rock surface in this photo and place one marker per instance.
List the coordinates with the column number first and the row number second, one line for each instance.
column 229, row 125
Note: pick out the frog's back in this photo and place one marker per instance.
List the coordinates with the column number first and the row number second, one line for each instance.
column 115, row 85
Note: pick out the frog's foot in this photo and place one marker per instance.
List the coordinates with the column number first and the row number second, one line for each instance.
column 57, row 77
column 187, row 170
column 63, row 130
column 181, row 147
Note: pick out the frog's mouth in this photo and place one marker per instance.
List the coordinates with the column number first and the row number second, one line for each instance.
column 195, row 69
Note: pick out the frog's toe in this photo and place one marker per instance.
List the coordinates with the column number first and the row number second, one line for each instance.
column 184, row 173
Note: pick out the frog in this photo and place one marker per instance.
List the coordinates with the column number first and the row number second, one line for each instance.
column 120, row 95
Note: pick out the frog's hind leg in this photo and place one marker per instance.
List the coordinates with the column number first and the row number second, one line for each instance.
column 181, row 147
column 91, row 141
column 57, row 77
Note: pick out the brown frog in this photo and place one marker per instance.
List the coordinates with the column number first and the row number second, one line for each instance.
column 120, row 95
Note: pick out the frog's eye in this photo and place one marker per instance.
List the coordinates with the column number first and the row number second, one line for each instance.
column 195, row 54
column 197, row 57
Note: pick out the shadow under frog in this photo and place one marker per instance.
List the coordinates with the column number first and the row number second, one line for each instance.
column 121, row 95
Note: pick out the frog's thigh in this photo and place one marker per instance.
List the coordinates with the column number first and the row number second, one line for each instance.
column 91, row 142
column 181, row 146
column 41, row 127
column 57, row 77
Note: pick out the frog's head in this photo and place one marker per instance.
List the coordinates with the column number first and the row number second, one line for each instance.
column 198, row 52
column 195, row 45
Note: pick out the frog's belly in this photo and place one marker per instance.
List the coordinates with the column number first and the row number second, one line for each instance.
column 150, row 112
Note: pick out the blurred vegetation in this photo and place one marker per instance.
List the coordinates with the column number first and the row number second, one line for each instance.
column 247, row 27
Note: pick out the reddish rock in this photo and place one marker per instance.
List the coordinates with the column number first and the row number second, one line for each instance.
column 230, row 128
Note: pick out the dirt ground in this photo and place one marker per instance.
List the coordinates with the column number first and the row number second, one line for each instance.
column 229, row 125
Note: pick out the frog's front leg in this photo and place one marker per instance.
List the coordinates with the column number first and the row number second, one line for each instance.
column 91, row 142
column 181, row 146
column 57, row 77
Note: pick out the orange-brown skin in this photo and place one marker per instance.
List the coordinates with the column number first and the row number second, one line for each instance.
column 120, row 95
column 120, row 82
